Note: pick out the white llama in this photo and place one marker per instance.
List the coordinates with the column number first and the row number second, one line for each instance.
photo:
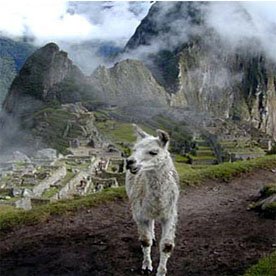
column 152, row 188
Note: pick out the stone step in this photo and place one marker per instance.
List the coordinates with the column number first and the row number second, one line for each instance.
column 204, row 161
column 205, row 153
column 201, row 142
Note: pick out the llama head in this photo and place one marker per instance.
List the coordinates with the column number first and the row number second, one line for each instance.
column 149, row 152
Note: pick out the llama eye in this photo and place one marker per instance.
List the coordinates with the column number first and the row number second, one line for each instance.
column 153, row 153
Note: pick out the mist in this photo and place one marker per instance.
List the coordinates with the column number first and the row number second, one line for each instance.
column 249, row 26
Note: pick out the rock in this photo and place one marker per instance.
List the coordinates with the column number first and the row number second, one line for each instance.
column 128, row 83
column 266, row 203
column 27, row 193
column 17, row 192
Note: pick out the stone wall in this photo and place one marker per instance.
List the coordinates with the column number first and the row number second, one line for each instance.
column 70, row 188
column 57, row 175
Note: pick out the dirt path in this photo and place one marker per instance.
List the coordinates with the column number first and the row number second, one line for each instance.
column 216, row 236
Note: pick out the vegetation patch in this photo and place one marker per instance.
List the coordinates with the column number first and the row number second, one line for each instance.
column 223, row 171
column 269, row 190
column 69, row 176
column 50, row 192
column 119, row 131
column 5, row 208
column 266, row 203
column 265, row 267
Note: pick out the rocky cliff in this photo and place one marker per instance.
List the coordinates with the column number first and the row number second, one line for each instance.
column 128, row 83
column 201, row 71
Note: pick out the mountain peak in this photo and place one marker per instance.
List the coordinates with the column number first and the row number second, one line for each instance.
column 45, row 68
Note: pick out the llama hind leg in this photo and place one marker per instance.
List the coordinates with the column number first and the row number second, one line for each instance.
column 166, row 244
column 146, row 236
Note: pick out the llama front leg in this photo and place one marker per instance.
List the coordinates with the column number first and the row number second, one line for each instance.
column 166, row 244
column 145, row 229
column 153, row 232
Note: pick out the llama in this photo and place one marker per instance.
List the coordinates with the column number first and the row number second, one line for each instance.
column 152, row 188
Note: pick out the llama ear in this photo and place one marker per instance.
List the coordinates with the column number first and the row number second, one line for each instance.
column 139, row 132
column 163, row 137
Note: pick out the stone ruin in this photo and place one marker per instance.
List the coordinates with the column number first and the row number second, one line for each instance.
column 116, row 165
column 98, row 184
column 46, row 176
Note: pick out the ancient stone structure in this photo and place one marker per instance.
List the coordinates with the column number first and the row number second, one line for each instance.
column 26, row 185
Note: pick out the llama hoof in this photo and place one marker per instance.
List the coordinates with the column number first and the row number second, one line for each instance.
column 145, row 271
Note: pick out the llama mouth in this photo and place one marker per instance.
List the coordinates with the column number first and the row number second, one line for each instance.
column 135, row 170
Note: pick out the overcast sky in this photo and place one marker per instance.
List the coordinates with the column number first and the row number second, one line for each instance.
column 56, row 20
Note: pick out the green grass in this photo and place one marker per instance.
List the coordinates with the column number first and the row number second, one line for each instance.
column 205, row 151
column 50, row 192
column 265, row 267
column 223, row 171
column 5, row 208
column 181, row 159
column 202, row 148
column 203, row 157
column 269, row 190
column 116, row 131
column 69, row 175
column 18, row 218
column 119, row 131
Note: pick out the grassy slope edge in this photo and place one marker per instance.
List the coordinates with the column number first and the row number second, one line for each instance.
column 265, row 267
column 18, row 218
column 222, row 172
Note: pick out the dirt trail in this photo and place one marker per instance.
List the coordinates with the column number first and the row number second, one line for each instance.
column 216, row 236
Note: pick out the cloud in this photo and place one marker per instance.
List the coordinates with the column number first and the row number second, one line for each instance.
column 50, row 20
column 42, row 20
column 247, row 25
column 250, row 25
column 112, row 21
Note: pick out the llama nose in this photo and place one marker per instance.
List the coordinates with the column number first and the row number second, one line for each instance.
column 129, row 163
